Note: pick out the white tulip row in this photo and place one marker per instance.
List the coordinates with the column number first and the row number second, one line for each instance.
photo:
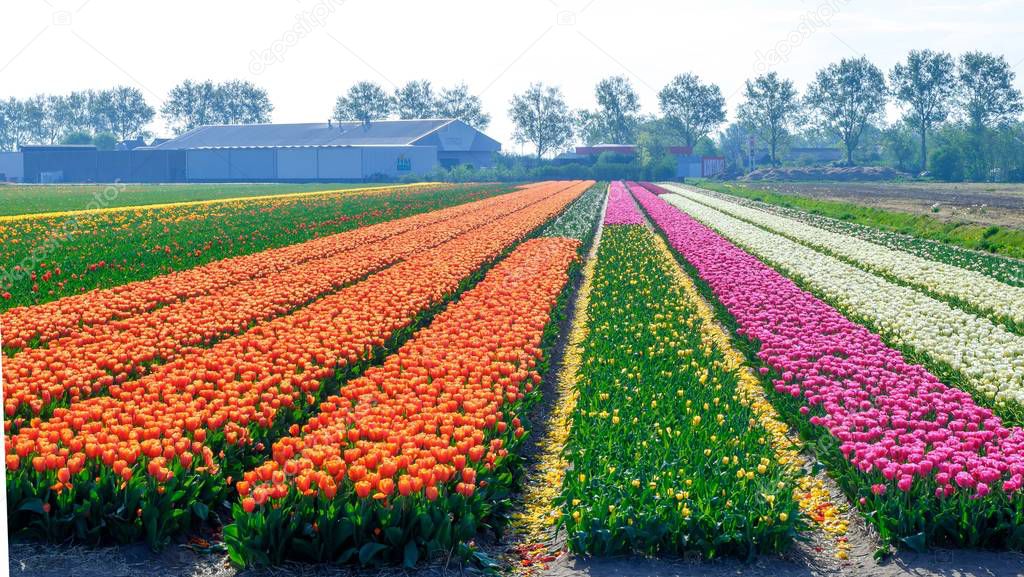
column 1005, row 269
column 990, row 357
column 983, row 293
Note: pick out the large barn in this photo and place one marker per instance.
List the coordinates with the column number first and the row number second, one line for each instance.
column 327, row 151
column 330, row 150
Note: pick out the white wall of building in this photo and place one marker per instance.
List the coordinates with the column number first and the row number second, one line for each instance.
column 252, row 164
column 207, row 165
column 340, row 163
column 396, row 162
column 344, row 163
column 297, row 164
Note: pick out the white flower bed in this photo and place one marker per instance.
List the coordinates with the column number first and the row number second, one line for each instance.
column 999, row 300
column 1007, row 270
column 988, row 355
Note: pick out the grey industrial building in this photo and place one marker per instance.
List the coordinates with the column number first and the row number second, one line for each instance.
column 328, row 151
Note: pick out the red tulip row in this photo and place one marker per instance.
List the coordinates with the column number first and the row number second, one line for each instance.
column 86, row 363
column 181, row 433
column 433, row 421
column 45, row 322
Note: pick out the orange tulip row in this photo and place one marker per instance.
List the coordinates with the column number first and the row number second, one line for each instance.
column 65, row 316
column 202, row 410
column 437, row 410
column 81, row 365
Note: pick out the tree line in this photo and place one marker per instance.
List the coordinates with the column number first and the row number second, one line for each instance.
column 960, row 115
column 969, row 104
column 368, row 101
column 119, row 113
column 106, row 117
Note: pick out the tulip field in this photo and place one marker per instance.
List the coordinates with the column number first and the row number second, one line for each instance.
column 399, row 375
column 54, row 255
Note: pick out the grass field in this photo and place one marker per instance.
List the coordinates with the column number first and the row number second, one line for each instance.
column 31, row 199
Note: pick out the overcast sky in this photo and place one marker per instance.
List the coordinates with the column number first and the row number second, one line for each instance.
column 306, row 52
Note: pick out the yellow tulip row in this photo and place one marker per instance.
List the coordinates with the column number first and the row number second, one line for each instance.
column 814, row 497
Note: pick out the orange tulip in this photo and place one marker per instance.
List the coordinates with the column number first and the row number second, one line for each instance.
column 248, row 504
column 264, row 286
column 392, row 417
column 363, row 489
column 451, row 430
column 405, row 487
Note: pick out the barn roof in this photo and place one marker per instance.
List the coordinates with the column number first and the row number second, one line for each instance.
column 376, row 133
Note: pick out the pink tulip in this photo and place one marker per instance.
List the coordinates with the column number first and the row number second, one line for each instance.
column 621, row 208
column 889, row 416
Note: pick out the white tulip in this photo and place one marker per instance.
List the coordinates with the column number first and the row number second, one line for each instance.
column 983, row 293
column 972, row 345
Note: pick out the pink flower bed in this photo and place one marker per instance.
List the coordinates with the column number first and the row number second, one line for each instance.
column 621, row 208
column 899, row 428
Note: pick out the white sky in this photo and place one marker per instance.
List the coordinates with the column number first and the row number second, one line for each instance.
column 497, row 47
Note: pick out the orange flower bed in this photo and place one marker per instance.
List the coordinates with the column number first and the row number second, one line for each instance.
column 168, row 441
column 434, row 421
column 86, row 363
column 65, row 316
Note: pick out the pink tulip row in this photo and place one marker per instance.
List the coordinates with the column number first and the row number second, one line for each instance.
column 889, row 417
column 621, row 208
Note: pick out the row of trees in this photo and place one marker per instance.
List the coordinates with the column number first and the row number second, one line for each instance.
column 122, row 113
column 972, row 98
column 968, row 104
column 191, row 104
column 848, row 98
column 367, row 101
column 690, row 110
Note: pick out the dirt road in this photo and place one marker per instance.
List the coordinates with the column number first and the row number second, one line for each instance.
column 981, row 203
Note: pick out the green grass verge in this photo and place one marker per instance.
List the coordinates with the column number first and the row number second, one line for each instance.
column 30, row 199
